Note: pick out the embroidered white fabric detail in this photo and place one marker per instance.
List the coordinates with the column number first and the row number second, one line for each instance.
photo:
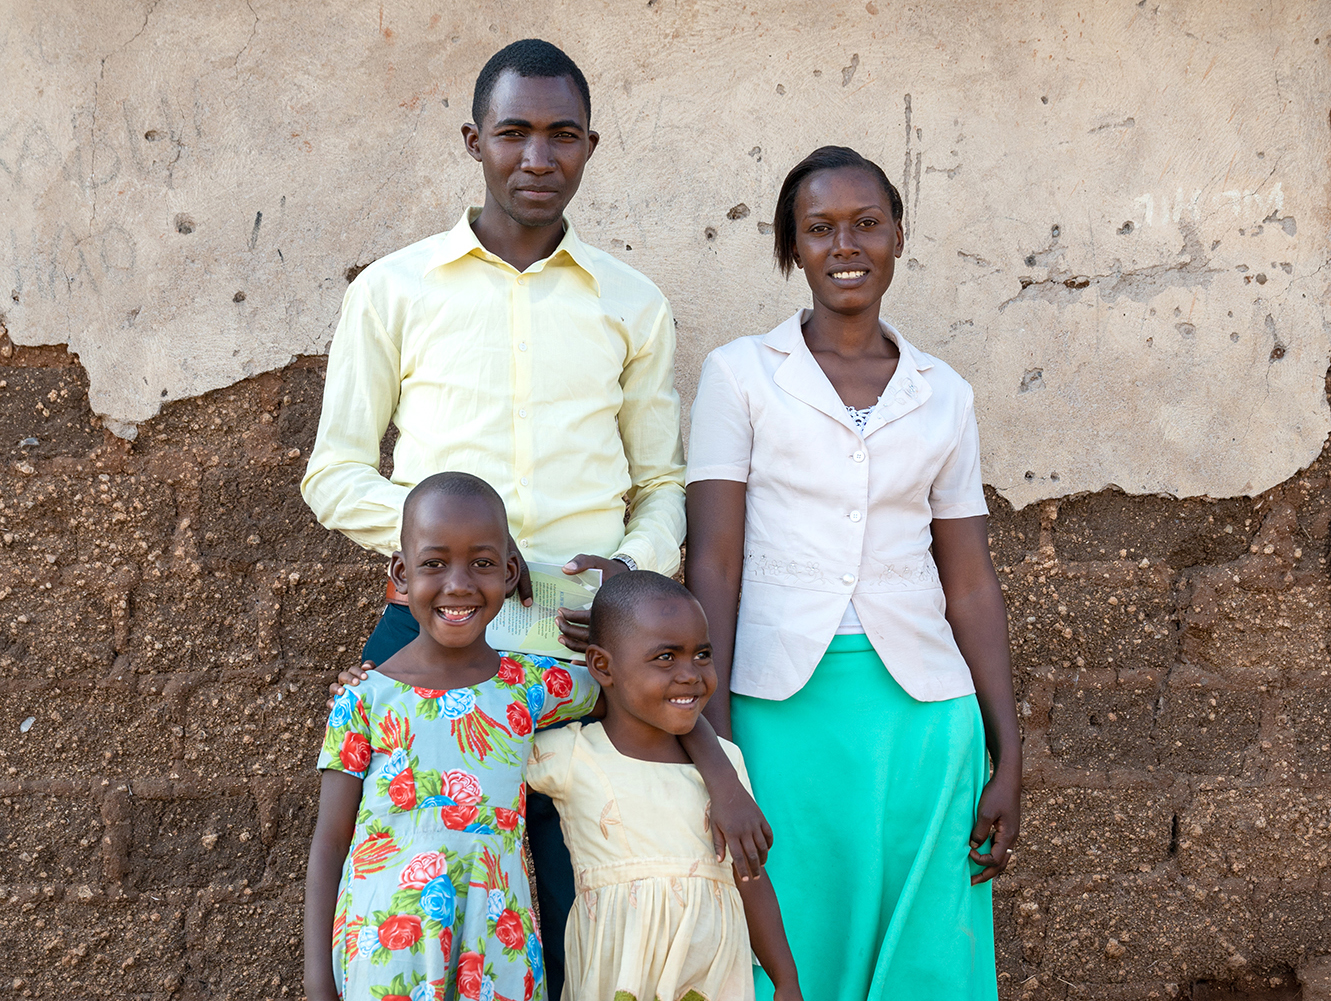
column 861, row 417
column 906, row 575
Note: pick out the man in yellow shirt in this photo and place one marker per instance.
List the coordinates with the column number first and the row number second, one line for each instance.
column 508, row 348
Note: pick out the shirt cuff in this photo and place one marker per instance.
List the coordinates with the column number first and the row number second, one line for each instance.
column 643, row 553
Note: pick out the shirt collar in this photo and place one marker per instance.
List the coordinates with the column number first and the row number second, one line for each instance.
column 461, row 240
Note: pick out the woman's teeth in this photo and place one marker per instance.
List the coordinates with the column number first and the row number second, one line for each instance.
column 848, row 274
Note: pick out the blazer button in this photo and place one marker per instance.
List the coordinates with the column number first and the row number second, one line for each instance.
column 855, row 516
column 848, row 579
column 858, row 456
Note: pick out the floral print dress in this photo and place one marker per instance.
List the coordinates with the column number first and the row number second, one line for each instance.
column 434, row 901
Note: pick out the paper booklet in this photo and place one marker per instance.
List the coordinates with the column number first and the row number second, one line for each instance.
column 534, row 630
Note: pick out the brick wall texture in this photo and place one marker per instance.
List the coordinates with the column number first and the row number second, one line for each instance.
column 170, row 615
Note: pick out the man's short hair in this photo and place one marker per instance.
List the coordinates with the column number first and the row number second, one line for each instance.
column 451, row 484
column 530, row 57
column 615, row 607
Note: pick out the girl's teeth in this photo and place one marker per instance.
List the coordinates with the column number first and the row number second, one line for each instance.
column 457, row 614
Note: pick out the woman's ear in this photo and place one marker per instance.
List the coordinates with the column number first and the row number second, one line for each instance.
column 397, row 572
column 598, row 665
column 901, row 238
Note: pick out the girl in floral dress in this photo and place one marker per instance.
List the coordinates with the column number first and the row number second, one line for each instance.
column 416, row 886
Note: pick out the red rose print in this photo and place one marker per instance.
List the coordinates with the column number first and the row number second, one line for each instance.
column 400, row 931
column 519, row 719
column 421, row 869
column 463, row 788
column 397, row 997
column 558, row 682
column 456, row 818
column 522, row 799
column 441, row 984
column 508, row 929
column 470, row 973
column 511, row 672
column 506, row 819
column 355, row 752
column 446, row 942
column 431, row 693
column 529, row 986
column 402, row 790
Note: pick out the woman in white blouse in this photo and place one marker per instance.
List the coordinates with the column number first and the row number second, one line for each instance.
column 838, row 544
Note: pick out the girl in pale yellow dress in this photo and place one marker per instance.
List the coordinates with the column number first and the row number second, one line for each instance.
column 659, row 917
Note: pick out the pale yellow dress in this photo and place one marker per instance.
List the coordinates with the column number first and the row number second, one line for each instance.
column 656, row 918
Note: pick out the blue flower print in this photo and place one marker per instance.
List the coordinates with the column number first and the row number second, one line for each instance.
column 535, row 701
column 422, row 992
column 435, row 801
column 367, row 941
column 544, row 663
column 343, row 706
column 458, row 702
column 487, row 990
column 534, row 957
column 439, row 900
column 397, row 763
column 479, row 828
column 494, row 904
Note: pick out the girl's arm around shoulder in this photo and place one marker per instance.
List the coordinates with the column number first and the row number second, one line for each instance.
column 767, row 935
column 736, row 821
column 339, row 800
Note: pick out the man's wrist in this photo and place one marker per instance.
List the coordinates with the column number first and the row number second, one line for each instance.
column 626, row 559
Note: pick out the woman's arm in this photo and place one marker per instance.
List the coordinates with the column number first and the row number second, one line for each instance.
column 978, row 618
column 339, row 799
column 712, row 567
column 767, row 935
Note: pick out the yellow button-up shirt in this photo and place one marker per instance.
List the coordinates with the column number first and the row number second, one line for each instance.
column 555, row 385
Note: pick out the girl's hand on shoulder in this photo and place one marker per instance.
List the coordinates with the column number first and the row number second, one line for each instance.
column 999, row 813
column 351, row 676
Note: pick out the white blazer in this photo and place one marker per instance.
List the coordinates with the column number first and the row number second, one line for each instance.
column 832, row 516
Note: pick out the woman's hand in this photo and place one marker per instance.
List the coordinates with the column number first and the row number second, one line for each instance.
column 999, row 813
column 351, row 676
column 739, row 825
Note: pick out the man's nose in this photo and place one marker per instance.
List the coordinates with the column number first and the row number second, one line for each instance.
column 537, row 157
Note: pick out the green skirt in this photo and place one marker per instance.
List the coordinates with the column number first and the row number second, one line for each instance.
column 871, row 796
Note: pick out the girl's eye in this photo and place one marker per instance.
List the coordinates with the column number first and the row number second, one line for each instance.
column 665, row 656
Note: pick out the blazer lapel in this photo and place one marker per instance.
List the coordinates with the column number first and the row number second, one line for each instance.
column 907, row 390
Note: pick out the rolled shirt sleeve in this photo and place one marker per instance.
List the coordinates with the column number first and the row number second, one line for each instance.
column 649, row 427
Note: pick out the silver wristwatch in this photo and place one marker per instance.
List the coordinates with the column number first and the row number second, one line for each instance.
column 627, row 560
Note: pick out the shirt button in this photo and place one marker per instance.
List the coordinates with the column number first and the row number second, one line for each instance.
column 523, row 481
column 521, row 280
column 522, row 346
column 858, row 456
column 522, row 413
column 855, row 516
column 525, row 543
column 848, row 580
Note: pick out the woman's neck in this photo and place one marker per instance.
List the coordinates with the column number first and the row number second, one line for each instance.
column 849, row 335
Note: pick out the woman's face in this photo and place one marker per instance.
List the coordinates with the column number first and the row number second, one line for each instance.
column 846, row 240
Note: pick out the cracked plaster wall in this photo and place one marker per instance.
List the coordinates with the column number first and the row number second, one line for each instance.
column 1117, row 212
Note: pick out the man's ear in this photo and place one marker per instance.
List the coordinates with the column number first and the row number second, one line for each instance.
column 471, row 139
column 598, row 665
column 397, row 572
column 592, row 139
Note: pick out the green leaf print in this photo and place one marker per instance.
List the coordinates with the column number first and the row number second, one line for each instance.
column 406, row 901
column 427, row 784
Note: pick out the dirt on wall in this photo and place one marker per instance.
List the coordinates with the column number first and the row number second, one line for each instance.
column 170, row 614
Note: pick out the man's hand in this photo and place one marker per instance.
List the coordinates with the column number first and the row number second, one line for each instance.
column 999, row 811
column 737, row 823
column 352, row 676
column 523, row 586
column 575, row 623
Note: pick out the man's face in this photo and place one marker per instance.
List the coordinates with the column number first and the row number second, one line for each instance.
column 533, row 146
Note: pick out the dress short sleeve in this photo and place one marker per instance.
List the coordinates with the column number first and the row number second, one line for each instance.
column 551, row 759
column 346, row 745
column 565, row 691
column 958, row 490
column 721, row 431
column 736, row 757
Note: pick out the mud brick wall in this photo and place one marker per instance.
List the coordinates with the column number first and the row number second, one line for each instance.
column 170, row 615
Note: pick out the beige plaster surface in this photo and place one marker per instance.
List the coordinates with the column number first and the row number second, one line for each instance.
column 1117, row 212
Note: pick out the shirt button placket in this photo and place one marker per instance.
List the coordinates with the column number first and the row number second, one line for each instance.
column 524, row 457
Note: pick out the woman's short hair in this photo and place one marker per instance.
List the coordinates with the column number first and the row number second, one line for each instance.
column 823, row 158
